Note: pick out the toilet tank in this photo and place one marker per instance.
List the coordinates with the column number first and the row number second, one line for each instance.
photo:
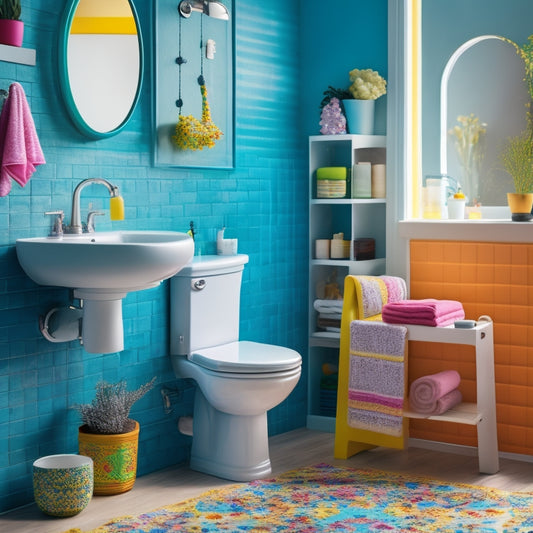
column 205, row 302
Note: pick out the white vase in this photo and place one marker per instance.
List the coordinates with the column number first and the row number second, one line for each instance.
column 359, row 116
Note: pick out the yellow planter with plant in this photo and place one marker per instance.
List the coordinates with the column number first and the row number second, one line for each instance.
column 517, row 160
column 517, row 155
column 109, row 437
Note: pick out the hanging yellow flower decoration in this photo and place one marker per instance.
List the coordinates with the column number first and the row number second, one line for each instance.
column 193, row 134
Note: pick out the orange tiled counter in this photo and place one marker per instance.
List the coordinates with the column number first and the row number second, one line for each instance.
column 494, row 279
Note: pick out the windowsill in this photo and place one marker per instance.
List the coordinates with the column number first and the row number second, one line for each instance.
column 478, row 230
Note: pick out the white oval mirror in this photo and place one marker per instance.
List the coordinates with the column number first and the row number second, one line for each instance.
column 100, row 64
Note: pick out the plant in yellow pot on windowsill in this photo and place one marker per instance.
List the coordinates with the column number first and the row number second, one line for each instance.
column 517, row 156
column 517, row 160
column 109, row 437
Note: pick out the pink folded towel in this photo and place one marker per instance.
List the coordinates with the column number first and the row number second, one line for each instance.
column 436, row 393
column 428, row 312
column 20, row 151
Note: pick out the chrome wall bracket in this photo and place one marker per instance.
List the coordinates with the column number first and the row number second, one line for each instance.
column 62, row 324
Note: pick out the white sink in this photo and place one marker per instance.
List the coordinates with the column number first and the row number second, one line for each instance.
column 102, row 268
column 115, row 261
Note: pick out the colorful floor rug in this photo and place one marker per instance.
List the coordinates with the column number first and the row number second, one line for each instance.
column 324, row 498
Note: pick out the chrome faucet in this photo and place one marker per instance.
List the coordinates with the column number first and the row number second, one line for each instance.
column 75, row 218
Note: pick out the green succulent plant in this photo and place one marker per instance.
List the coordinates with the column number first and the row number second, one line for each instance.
column 10, row 9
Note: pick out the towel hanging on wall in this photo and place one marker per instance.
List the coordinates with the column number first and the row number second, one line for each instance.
column 20, row 150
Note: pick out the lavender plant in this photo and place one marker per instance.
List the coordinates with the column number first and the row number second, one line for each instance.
column 109, row 412
column 10, row 9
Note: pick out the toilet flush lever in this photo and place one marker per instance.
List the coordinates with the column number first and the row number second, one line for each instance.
column 199, row 284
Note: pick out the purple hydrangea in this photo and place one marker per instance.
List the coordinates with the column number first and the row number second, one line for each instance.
column 332, row 120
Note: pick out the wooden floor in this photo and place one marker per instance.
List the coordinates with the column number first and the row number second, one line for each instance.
column 291, row 450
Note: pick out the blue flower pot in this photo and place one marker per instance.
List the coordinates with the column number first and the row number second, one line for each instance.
column 359, row 116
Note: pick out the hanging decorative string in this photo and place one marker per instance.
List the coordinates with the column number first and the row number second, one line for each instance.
column 180, row 61
column 191, row 133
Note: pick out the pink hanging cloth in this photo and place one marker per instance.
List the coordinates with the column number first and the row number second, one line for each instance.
column 20, row 150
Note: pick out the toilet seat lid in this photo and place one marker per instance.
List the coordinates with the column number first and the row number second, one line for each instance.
column 247, row 358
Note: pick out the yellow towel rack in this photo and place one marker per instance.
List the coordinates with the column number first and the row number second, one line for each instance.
column 348, row 440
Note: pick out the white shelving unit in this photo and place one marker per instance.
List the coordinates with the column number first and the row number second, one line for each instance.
column 356, row 218
column 482, row 413
column 14, row 54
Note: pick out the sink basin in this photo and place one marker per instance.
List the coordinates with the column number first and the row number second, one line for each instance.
column 102, row 268
column 115, row 261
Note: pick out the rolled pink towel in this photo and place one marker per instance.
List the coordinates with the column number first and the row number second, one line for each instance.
column 427, row 312
column 431, row 394
column 448, row 401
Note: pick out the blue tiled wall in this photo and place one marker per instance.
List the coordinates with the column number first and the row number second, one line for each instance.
column 263, row 202
column 337, row 38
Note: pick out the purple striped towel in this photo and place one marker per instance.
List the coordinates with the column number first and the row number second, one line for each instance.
column 376, row 383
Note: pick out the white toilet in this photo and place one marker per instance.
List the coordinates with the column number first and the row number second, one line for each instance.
column 238, row 381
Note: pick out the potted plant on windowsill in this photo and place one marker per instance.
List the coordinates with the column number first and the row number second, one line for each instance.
column 517, row 160
column 11, row 27
column 517, row 155
column 358, row 100
column 109, row 437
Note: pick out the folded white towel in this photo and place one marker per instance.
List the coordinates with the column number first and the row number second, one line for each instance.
column 331, row 316
column 328, row 306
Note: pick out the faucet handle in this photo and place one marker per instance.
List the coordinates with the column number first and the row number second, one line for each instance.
column 57, row 228
column 90, row 220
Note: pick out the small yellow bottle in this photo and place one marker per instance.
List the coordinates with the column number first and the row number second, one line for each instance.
column 116, row 208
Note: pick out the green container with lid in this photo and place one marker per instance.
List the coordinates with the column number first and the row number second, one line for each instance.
column 331, row 182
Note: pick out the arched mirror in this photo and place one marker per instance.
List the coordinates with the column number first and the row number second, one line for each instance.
column 469, row 87
column 100, row 64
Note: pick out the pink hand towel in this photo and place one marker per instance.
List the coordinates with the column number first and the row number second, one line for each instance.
column 20, row 150
column 428, row 312
column 426, row 392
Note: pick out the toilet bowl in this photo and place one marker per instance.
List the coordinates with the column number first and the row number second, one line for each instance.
column 237, row 381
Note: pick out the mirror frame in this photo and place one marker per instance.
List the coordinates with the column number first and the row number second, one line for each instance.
column 64, row 82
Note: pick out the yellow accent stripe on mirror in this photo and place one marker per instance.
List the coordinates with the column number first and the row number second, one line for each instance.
column 104, row 25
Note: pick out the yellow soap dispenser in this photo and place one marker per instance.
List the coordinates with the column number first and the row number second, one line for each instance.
column 116, row 208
